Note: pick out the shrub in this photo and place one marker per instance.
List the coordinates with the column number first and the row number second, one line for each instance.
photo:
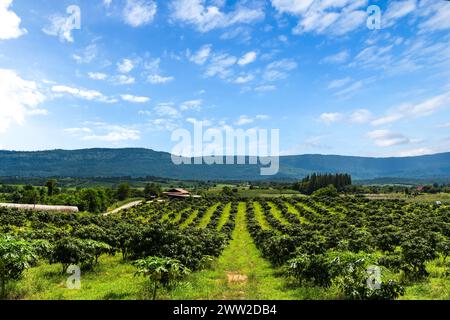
column 161, row 271
column 15, row 257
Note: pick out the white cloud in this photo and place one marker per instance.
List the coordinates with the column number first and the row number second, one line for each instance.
column 152, row 65
column 107, row 3
column 278, row 70
column 351, row 88
column 244, row 79
column 417, row 110
column 123, row 80
column 191, row 105
column 386, row 119
column 97, row 75
column 262, row 117
column 87, row 55
column 338, row 83
column 125, row 66
column 113, row 133
column 444, row 125
column 329, row 118
column 243, row 120
column 397, row 10
column 167, row 110
column 204, row 122
column 324, row 16
column 415, row 152
column 360, row 116
column 18, row 98
column 201, row 55
column 387, row 138
column 9, row 22
column 91, row 95
column 292, row 6
column 134, row 99
column 437, row 13
column 220, row 65
column 157, row 79
column 139, row 12
column 153, row 72
column 77, row 131
column 162, row 124
column 265, row 88
column 339, row 57
column 210, row 17
column 248, row 58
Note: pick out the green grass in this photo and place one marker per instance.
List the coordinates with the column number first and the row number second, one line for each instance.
column 277, row 214
column 293, row 210
column 169, row 214
column 224, row 217
column 189, row 220
column 112, row 279
column 435, row 287
column 207, row 217
column 259, row 215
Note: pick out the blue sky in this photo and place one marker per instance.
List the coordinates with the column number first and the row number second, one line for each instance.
column 136, row 70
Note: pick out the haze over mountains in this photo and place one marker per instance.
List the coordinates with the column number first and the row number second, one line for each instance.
column 145, row 162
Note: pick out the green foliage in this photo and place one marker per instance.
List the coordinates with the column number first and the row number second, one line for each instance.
column 123, row 191
column 161, row 271
column 15, row 257
column 314, row 182
column 51, row 187
column 94, row 200
column 349, row 271
column 151, row 191
column 73, row 251
column 329, row 191
column 187, row 246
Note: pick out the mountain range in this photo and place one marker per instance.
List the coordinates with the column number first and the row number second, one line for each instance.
column 139, row 162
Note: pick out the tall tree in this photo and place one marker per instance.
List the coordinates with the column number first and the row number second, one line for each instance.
column 51, row 185
column 123, row 192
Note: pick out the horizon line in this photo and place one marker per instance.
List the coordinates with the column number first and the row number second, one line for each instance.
column 192, row 157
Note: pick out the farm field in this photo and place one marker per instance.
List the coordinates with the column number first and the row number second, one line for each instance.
column 289, row 248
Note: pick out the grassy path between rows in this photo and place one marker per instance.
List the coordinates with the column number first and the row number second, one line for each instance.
column 240, row 273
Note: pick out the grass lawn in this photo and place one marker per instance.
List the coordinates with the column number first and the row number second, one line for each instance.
column 112, row 279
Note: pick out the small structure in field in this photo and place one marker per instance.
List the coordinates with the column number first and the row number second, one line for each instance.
column 179, row 193
column 438, row 203
column 38, row 207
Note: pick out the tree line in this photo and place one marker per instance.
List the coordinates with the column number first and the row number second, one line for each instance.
column 94, row 200
column 314, row 182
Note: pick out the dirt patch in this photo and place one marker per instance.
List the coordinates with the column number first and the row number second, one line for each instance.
column 236, row 278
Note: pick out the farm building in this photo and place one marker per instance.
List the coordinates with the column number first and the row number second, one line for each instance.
column 38, row 207
column 179, row 193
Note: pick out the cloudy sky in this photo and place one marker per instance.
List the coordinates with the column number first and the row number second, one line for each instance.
column 126, row 73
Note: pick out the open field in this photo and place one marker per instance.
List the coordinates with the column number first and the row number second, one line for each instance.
column 252, row 242
column 424, row 197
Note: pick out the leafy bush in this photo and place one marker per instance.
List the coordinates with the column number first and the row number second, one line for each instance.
column 161, row 271
column 15, row 257
column 68, row 251
column 349, row 271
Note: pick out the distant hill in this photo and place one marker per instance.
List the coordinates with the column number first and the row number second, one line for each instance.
column 144, row 162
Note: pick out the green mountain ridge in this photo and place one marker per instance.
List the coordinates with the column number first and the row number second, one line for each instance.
column 139, row 162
